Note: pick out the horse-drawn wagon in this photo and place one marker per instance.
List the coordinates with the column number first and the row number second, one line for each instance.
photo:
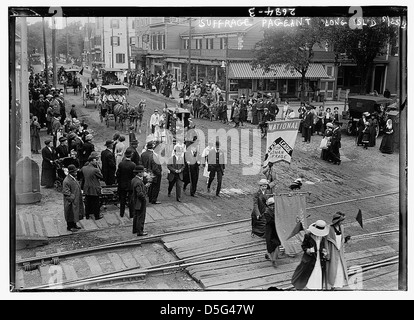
column 69, row 78
column 112, row 76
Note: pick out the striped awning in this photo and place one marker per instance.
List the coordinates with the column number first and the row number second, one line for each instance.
column 243, row 70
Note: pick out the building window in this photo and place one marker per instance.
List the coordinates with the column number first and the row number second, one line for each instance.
column 120, row 58
column 115, row 41
column 199, row 44
column 132, row 41
column 186, row 44
column 98, row 40
column 98, row 23
column 154, row 42
column 209, row 43
column 329, row 70
column 114, row 23
column 223, row 43
column 133, row 23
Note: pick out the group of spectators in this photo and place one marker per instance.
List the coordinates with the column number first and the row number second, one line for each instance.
column 160, row 83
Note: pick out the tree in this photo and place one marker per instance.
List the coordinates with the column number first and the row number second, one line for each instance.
column 363, row 45
column 292, row 46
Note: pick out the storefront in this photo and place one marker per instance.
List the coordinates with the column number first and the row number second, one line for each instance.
column 281, row 82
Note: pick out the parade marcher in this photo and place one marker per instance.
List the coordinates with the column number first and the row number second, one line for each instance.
column 336, row 267
column 325, row 152
column 85, row 151
column 271, row 236
column 175, row 174
column 92, row 187
column 120, row 150
column 269, row 171
column 387, row 143
column 193, row 160
column 310, row 273
column 108, row 164
column 151, row 163
column 34, row 135
column 72, row 200
column 307, row 124
column 259, row 208
column 48, row 165
column 139, row 201
column 62, row 150
column 216, row 165
column 124, row 176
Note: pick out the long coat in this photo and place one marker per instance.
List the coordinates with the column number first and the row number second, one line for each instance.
column 108, row 166
column 173, row 165
column 91, row 177
column 48, row 169
column 125, row 174
column 259, row 208
column 72, row 199
column 336, row 256
column 272, row 238
column 304, row 270
column 138, row 197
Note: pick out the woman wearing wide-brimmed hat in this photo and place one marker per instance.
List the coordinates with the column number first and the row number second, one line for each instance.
column 336, row 268
column 272, row 238
column 310, row 273
column 259, row 208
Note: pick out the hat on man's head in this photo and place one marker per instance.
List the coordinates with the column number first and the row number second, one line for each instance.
column 338, row 217
column 109, row 143
column 150, row 145
column 319, row 228
column 47, row 141
column 61, row 139
column 263, row 182
column 128, row 153
column 72, row 168
column 134, row 142
column 88, row 137
column 49, row 96
column 93, row 155
column 139, row 168
column 72, row 135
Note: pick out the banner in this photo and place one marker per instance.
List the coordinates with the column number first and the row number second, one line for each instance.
column 289, row 210
column 281, row 137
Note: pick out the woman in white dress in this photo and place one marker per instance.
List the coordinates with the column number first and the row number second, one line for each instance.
column 120, row 150
column 204, row 155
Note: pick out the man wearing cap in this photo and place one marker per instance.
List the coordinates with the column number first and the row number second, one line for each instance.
column 48, row 166
column 175, row 175
column 72, row 200
column 311, row 272
column 62, row 150
column 259, row 208
column 91, row 186
column 336, row 267
column 85, row 150
column 108, row 163
column 139, row 201
column 215, row 159
column 124, row 176
column 150, row 162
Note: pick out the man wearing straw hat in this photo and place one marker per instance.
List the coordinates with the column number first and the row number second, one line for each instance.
column 310, row 273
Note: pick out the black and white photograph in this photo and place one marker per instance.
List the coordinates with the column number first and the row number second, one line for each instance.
column 214, row 150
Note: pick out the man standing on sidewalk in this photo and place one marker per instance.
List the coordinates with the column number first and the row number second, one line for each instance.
column 139, row 201
column 216, row 165
column 124, row 176
column 91, row 187
column 176, row 175
column 151, row 163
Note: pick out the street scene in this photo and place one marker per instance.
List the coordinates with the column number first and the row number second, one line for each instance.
column 255, row 153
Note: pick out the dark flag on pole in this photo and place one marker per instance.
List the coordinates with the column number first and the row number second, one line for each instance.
column 298, row 228
column 359, row 218
column 81, row 72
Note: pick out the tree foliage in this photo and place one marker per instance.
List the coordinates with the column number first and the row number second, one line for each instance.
column 292, row 46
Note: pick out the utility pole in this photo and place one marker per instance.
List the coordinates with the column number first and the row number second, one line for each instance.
column 189, row 55
column 45, row 51
column 227, row 71
column 112, row 44
column 128, row 45
column 54, row 51
column 67, row 41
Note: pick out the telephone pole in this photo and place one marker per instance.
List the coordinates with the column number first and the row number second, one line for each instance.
column 189, row 55
column 45, row 51
column 54, row 51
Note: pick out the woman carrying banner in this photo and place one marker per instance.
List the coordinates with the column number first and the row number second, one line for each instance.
column 259, row 208
column 310, row 273
column 272, row 239
column 270, row 173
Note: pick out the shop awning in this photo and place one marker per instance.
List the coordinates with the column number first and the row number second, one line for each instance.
column 243, row 70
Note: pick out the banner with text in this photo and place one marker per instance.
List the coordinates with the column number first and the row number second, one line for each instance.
column 281, row 137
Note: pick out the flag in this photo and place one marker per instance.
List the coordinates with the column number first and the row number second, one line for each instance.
column 81, row 72
column 359, row 218
column 296, row 230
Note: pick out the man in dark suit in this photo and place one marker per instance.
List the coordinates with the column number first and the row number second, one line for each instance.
column 124, row 176
column 196, row 106
column 175, row 176
column 48, row 166
column 62, row 150
column 108, row 163
column 85, row 150
column 135, row 158
column 92, row 187
column 216, row 165
column 193, row 159
column 139, row 201
column 152, row 164
column 307, row 124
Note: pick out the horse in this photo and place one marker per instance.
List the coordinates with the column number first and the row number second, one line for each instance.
column 136, row 113
column 121, row 113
